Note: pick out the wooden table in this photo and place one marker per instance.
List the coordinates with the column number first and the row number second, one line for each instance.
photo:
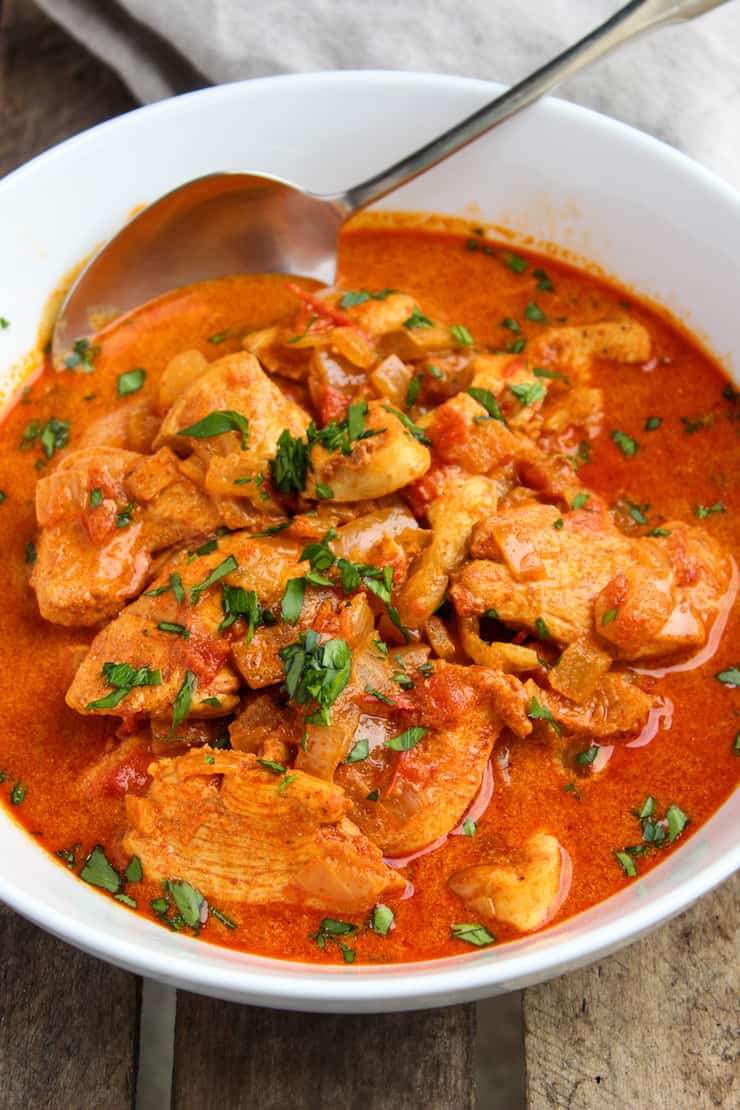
column 653, row 1026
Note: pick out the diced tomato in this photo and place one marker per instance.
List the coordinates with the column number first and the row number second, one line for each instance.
column 206, row 657
column 130, row 774
column 333, row 404
column 428, row 488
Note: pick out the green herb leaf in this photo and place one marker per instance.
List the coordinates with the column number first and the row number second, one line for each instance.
column 461, row 335
column 18, row 794
column 271, row 765
column 609, row 616
column 469, row 826
column 543, row 281
column 96, row 498
column 558, row 524
column 417, row 320
column 653, row 423
column 131, row 381
column 527, row 393
column 627, row 864
column 315, row 672
column 371, row 690
column 409, row 425
column 372, row 796
column 541, row 629
column 626, row 444
column 354, row 297
column 514, row 262
column 226, row 567
column 99, row 871
column 586, row 757
column 311, row 321
column 539, row 712
column 648, row 807
column 127, row 900
column 223, row 918
column 534, row 312
column 54, row 436
column 413, row 391
column 83, row 356
column 290, row 465
column 677, row 822
column 134, row 872
column 123, row 678
column 541, row 372
column 702, row 511
column 476, row 935
column 30, row 557
column 730, row 677
column 580, row 500
column 123, row 518
column 217, row 424
column 407, row 740
column 190, row 902
column 238, row 602
column 183, row 700
column 382, row 919
column 511, row 324
column 359, row 751
column 486, row 398
column 293, row 600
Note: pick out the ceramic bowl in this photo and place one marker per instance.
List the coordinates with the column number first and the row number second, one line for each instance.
column 558, row 175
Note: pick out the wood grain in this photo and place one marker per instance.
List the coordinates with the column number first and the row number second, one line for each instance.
column 241, row 1057
column 50, row 87
column 68, row 1025
column 654, row 1025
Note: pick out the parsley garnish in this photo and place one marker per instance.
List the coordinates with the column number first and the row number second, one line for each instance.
column 729, row 677
column 485, row 398
column 354, row 297
column 18, row 793
column 238, row 602
column 409, row 425
column 218, row 423
column 417, row 320
column 183, row 700
column 609, row 616
column 541, row 372
column 534, row 312
column 293, row 600
column 175, row 629
column 131, row 381
column 96, row 497
column 123, row 519
column 99, row 871
column 541, row 628
column 316, row 673
column 359, row 751
column 407, row 740
column 653, row 423
column 469, row 826
column 461, row 335
column 476, row 935
column 543, row 281
column 702, row 511
column 626, row 444
column 587, row 756
column 539, row 712
column 226, row 567
column 123, row 678
column 527, row 393
column 83, row 356
column 514, row 262
column 580, row 500
column 382, row 919
column 330, row 930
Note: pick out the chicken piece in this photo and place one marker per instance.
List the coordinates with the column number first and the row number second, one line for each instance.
column 376, row 466
column 236, row 384
column 453, row 517
column 576, row 579
column 574, row 348
column 523, row 888
column 617, row 707
column 104, row 513
column 378, row 316
column 238, row 832
column 131, row 426
column 191, row 641
column 266, row 728
column 422, row 793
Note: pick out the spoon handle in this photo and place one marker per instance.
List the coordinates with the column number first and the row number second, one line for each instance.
column 626, row 24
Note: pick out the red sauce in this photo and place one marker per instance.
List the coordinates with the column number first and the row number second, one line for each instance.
column 689, row 759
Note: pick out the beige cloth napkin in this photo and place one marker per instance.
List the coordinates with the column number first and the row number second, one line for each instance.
column 681, row 83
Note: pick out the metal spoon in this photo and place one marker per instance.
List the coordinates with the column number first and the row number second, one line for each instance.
column 229, row 223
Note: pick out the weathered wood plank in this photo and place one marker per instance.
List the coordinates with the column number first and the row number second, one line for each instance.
column 238, row 1057
column 50, row 87
column 654, row 1025
column 68, row 1024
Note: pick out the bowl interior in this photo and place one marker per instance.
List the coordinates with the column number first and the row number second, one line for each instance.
column 558, row 177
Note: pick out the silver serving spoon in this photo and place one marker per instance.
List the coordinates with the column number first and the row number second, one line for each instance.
column 229, row 223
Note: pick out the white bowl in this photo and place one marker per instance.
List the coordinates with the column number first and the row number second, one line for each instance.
column 643, row 212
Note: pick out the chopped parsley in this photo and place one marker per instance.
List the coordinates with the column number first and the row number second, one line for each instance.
column 541, row 372
column 476, row 935
column 653, row 423
column 514, row 262
column 626, row 444
column 730, row 677
column 123, row 519
column 625, row 861
column 174, row 584
column 609, row 616
column 541, row 628
column 191, row 905
column 579, row 500
column 330, row 929
column 4, row 323
column 379, row 695
column 539, row 712
column 359, row 751
column 226, row 567
column 527, row 393
column 485, row 398
column 174, row 629
column 702, row 511
column 469, row 826
column 134, row 872
column 587, row 756
column 534, row 313
column 315, row 674
column 183, row 700
column 409, row 425
column 131, row 381
column 96, row 498
column 407, row 740
column 543, row 281
column 218, row 423
column 18, row 794
column 302, row 335
column 461, row 335
column 83, row 356
column 692, row 425
column 413, row 390
column 382, row 919
column 293, row 600
column 359, row 296
column 238, row 602
column 417, row 320
column 510, row 323
column 123, row 678
column 98, row 871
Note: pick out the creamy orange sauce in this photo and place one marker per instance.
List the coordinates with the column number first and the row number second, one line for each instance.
column 47, row 747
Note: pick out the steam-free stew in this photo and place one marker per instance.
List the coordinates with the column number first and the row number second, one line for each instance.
column 373, row 623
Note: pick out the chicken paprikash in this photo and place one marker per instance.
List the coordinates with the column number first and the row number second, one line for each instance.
column 377, row 622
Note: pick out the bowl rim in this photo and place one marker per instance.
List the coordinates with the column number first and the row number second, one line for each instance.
column 298, row 985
